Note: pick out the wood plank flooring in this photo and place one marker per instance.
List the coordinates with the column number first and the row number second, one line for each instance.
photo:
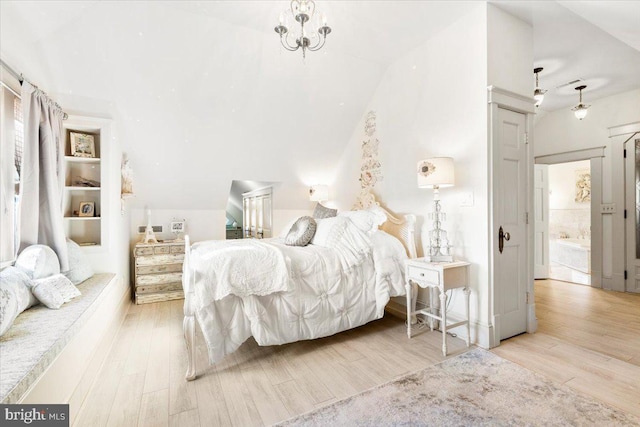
column 142, row 382
column 588, row 339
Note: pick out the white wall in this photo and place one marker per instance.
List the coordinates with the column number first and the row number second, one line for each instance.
column 559, row 131
column 432, row 102
column 510, row 52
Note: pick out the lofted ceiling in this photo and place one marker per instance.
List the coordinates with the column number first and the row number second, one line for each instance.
column 202, row 93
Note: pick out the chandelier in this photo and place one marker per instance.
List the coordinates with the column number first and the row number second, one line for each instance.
column 303, row 12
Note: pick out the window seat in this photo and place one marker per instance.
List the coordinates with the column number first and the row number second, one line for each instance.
column 45, row 355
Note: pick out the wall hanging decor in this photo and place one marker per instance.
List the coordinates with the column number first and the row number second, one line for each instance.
column 371, row 168
column 583, row 186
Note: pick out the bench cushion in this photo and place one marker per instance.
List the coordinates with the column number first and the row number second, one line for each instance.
column 39, row 334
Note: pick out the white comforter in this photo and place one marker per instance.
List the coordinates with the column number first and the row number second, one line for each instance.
column 321, row 296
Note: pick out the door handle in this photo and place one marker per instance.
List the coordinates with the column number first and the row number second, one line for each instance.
column 502, row 236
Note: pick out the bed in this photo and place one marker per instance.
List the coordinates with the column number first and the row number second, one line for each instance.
column 280, row 294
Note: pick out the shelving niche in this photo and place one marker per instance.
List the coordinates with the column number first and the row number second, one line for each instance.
column 89, row 231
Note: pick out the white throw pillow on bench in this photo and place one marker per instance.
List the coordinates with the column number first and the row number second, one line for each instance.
column 79, row 267
column 38, row 261
column 54, row 291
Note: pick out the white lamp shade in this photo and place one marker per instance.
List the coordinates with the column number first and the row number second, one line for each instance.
column 437, row 171
column 319, row 193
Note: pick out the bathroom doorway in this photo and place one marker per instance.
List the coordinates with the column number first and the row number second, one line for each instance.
column 569, row 219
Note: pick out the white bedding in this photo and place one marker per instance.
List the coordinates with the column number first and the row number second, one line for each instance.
column 323, row 296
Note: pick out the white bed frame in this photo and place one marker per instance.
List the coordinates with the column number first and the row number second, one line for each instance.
column 402, row 228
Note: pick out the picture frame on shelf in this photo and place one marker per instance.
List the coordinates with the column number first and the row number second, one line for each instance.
column 87, row 209
column 82, row 145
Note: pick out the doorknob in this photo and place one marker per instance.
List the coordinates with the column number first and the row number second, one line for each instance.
column 502, row 236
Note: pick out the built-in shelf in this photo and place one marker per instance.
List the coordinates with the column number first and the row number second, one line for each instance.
column 83, row 218
column 84, row 229
column 69, row 188
column 74, row 159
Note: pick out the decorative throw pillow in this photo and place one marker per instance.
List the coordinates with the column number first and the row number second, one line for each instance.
column 301, row 232
column 55, row 291
column 18, row 280
column 15, row 296
column 8, row 307
column 321, row 212
column 79, row 267
column 38, row 261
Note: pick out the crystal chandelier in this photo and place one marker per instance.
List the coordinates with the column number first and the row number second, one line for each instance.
column 303, row 12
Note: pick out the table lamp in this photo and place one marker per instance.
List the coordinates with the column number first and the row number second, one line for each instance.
column 437, row 173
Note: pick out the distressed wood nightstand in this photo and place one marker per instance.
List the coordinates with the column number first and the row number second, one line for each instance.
column 443, row 276
column 158, row 271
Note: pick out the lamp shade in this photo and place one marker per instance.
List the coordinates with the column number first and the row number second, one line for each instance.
column 436, row 172
column 319, row 193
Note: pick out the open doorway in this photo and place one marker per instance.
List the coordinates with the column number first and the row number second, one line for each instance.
column 570, row 222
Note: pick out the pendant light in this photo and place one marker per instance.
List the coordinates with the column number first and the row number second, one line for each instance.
column 580, row 110
column 538, row 94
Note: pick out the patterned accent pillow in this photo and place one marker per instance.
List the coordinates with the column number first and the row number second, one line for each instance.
column 321, row 212
column 21, row 284
column 55, row 291
column 8, row 307
column 79, row 267
column 38, row 261
column 301, row 232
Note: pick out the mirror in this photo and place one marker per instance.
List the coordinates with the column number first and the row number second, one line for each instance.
column 249, row 209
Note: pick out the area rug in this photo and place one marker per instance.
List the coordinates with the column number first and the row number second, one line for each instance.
column 476, row 388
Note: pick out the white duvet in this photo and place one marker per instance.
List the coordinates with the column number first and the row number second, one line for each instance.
column 318, row 296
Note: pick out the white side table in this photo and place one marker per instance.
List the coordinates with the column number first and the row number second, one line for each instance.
column 443, row 276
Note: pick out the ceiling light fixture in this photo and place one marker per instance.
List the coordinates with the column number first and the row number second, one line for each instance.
column 303, row 12
column 580, row 110
column 538, row 94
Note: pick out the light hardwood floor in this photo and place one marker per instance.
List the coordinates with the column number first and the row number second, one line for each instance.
column 142, row 382
column 588, row 339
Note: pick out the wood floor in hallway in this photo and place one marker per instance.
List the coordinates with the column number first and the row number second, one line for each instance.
column 587, row 339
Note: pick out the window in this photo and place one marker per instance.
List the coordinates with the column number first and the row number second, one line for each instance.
column 11, row 146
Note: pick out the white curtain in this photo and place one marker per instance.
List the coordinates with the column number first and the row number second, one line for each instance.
column 42, row 174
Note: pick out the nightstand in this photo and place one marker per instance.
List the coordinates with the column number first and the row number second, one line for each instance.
column 158, row 271
column 443, row 276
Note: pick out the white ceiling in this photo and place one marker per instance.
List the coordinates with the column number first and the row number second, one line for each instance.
column 596, row 41
column 202, row 92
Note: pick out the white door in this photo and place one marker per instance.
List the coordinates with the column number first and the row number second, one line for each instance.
column 541, row 217
column 632, row 206
column 509, row 177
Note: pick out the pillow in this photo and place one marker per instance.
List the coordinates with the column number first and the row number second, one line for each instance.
column 301, row 232
column 38, row 261
column 19, row 281
column 367, row 220
column 286, row 228
column 350, row 243
column 79, row 267
column 15, row 296
column 55, row 290
column 321, row 212
column 8, row 307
